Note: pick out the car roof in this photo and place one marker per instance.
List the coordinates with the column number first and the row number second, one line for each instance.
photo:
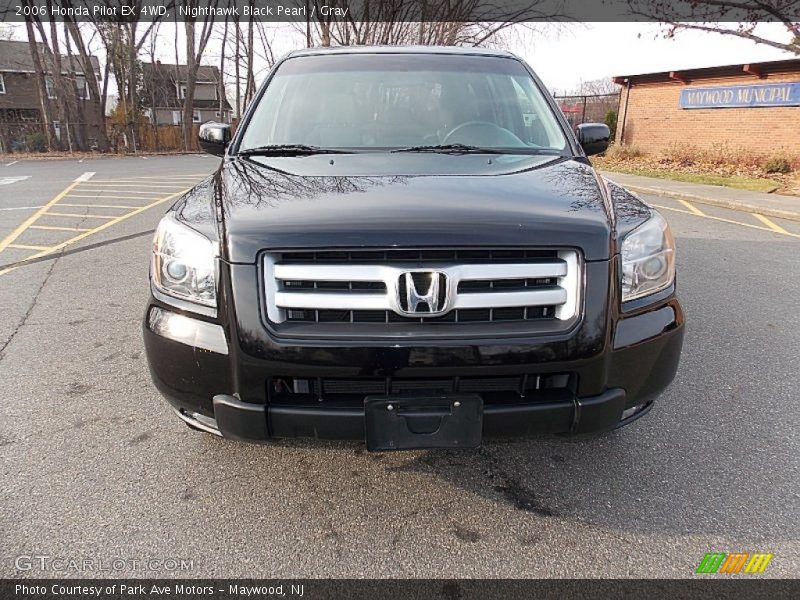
column 458, row 50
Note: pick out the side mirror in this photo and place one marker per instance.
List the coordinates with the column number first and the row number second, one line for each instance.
column 593, row 137
column 214, row 137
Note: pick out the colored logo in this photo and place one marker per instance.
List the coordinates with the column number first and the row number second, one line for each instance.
column 734, row 562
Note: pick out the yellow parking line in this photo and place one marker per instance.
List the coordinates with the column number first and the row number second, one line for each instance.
column 732, row 222
column 114, row 184
column 770, row 224
column 30, row 220
column 105, row 197
column 54, row 228
column 28, row 247
column 97, row 229
column 123, row 206
column 102, row 190
column 188, row 176
column 691, row 207
column 58, row 214
column 146, row 183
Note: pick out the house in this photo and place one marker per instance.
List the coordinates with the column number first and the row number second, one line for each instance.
column 165, row 92
column 20, row 108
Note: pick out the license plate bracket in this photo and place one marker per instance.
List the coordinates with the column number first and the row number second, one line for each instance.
column 421, row 422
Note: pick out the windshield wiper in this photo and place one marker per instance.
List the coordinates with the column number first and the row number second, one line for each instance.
column 287, row 150
column 451, row 149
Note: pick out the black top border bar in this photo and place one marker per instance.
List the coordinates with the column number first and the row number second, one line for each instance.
column 426, row 11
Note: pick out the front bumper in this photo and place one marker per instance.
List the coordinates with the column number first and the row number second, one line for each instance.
column 247, row 422
column 227, row 392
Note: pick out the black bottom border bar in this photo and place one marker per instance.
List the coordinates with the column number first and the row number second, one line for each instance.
column 378, row 589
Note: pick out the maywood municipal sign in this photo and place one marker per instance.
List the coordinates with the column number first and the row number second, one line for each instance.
column 742, row 96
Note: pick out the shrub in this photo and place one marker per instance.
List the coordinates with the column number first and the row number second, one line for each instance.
column 36, row 142
column 778, row 164
column 623, row 152
column 682, row 154
column 721, row 154
column 611, row 121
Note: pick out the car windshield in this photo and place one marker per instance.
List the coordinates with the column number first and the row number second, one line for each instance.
column 403, row 101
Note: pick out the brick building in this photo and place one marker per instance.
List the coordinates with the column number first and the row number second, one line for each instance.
column 754, row 106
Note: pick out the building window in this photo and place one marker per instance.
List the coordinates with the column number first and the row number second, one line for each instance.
column 181, row 91
column 177, row 117
column 2, row 84
column 81, row 87
column 51, row 88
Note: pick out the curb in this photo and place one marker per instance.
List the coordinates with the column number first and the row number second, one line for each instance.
column 48, row 156
column 789, row 215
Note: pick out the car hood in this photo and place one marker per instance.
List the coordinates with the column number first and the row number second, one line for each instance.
column 404, row 200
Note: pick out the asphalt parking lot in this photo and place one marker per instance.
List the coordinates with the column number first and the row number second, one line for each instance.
column 95, row 465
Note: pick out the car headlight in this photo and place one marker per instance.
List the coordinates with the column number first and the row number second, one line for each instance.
column 648, row 259
column 184, row 263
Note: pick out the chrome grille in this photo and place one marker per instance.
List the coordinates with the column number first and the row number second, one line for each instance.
column 362, row 287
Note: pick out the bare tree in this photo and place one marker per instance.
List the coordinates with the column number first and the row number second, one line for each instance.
column 245, row 49
column 76, row 115
column 244, row 59
column 195, row 48
column 595, row 87
column 41, row 85
column 426, row 22
column 733, row 18
column 63, row 86
column 95, row 116
column 152, row 89
column 266, row 38
column 69, row 83
column 221, row 92
column 6, row 32
column 74, row 123
column 123, row 41
column 250, row 87
column 237, row 66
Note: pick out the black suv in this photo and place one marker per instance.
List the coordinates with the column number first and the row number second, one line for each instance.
column 408, row 246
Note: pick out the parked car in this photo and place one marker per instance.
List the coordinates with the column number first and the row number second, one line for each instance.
column 396, row 248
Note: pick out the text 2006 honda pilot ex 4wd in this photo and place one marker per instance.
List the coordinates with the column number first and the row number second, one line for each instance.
column 409, row 247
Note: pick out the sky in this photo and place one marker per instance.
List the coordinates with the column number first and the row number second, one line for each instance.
column 562, row 55
column 589, row 51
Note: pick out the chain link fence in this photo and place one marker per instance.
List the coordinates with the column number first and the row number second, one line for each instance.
column 28, row 134
column 589, row 108
column 24, row 135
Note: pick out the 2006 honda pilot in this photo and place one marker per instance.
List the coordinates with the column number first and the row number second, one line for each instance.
column 408, row 246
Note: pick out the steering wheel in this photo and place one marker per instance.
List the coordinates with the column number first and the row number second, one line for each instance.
column 497, row 136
